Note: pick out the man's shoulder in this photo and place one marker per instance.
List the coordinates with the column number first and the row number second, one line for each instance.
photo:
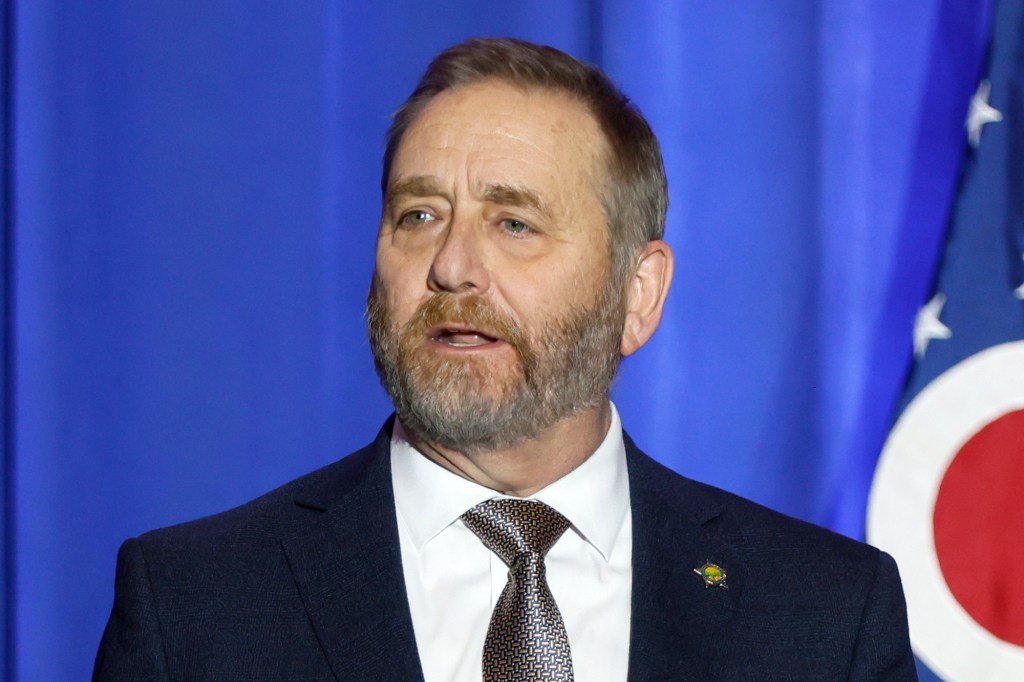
column 237, row 591
column 749, row 526
column 282, row 512
column 805, row 602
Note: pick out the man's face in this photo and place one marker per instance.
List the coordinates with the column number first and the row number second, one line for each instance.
column 492, row 313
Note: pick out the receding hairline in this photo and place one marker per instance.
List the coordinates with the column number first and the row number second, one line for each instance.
column 598, row 145
column 632, row 175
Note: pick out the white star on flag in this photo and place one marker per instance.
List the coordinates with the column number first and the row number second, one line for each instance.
column 927, row 325
column 980, row 113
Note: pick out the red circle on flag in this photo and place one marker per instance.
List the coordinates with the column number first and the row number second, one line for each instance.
column 979, row 527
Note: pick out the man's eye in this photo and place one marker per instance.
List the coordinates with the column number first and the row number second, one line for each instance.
column 416, row 218
column 515, row 226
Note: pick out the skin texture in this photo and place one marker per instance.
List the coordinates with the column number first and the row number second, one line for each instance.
column 493, row 196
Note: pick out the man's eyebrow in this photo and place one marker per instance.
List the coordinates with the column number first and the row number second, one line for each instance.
column 496, row 193
column 511, row 195
column 415, row 186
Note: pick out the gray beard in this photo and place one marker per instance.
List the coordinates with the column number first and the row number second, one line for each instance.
column 564, row 368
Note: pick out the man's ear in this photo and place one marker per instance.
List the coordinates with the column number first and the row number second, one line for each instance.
column 645, row 295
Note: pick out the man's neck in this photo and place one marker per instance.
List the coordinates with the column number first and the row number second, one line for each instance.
column 529, row 466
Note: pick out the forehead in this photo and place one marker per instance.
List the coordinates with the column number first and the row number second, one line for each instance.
column 494, row 131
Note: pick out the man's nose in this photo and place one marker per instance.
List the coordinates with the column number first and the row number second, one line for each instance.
column 459, row 264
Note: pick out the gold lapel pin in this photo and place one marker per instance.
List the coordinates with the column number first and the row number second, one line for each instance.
column 713, row 575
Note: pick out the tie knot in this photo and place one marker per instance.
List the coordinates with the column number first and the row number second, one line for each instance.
column 511, row 528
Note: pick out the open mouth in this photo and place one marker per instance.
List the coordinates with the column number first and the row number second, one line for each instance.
column 458, row 337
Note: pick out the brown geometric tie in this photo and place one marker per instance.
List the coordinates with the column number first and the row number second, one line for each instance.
column 526, row 639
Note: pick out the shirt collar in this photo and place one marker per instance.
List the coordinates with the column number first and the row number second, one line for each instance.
column 594, row 496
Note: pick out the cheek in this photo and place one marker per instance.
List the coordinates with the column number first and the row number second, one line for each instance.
column 582, row 281
column 533, row 291
column 400, row 258
column 400, row 289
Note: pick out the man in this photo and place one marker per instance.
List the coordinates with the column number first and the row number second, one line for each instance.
column 519, row 258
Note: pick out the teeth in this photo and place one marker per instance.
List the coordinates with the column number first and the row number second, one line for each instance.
column 461, row 339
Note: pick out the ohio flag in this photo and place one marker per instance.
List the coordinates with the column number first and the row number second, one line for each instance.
column 948, row 494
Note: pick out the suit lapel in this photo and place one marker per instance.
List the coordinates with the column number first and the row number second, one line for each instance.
column 679, row 625
column 347, row 566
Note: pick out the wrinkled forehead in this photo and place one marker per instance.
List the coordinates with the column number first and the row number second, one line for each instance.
column 511, row 123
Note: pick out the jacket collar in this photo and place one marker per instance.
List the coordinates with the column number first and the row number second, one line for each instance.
column 347, row 566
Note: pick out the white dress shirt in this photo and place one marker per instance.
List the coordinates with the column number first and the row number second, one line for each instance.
column 453, row 581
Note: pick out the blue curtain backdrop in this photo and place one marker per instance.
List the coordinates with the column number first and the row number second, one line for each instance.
column 189, row 230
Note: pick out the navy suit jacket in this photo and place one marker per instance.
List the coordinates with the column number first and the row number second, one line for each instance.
column 305, row 583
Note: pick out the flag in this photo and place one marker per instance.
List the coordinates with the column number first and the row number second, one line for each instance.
column 947, row 499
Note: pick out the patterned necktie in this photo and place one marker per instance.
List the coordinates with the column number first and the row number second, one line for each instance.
column 526, row 639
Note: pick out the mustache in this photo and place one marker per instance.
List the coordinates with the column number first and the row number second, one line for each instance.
column 470, row 311
column 473, row 312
